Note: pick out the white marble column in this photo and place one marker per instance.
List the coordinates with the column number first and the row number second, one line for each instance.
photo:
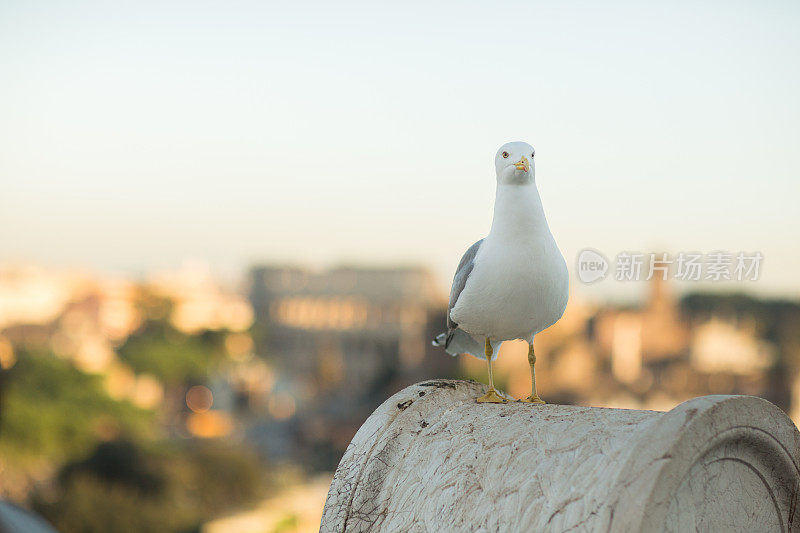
column 431, row 459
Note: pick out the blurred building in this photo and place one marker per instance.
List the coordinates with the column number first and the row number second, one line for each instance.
column 85, row 318
column 198, row 301
column 341, row 342
column 662, row 353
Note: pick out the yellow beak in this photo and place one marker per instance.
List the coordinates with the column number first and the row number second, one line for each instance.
column 522, row 164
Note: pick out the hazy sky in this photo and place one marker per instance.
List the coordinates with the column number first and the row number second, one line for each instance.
column 134, row 135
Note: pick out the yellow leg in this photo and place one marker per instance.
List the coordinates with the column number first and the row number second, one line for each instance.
column 491, row 396
column 533, row 398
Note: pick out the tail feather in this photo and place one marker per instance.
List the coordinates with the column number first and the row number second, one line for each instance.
column 459, row 341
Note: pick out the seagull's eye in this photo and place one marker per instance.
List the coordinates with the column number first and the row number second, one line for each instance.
column 505, row 155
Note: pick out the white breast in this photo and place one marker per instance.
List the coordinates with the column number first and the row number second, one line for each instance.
column 513, row 293
column 519, row 284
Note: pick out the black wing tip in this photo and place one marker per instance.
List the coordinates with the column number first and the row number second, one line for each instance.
column 443, row 339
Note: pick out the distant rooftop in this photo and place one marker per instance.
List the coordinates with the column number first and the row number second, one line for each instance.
column 373, row 283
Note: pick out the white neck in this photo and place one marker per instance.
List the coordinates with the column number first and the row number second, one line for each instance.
column 518, row 212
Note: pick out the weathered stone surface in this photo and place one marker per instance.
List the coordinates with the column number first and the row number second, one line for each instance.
column 431, row 459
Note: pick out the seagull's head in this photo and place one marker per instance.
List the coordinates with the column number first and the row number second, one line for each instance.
column 514, row 163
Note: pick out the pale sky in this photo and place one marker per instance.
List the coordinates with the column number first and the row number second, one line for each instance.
column 136, row 135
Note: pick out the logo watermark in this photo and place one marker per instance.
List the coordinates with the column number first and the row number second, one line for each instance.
column 683, row 266
column 592, row 266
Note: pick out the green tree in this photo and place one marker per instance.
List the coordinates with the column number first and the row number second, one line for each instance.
column 54, row 412
column 122, row 486
column 172, row 356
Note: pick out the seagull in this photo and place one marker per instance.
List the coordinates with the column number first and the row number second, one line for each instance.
column 513, row 283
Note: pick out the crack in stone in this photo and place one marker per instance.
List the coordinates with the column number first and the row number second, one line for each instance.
column 404, row 405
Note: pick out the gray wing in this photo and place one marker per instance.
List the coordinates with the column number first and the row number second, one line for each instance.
column 459, row 282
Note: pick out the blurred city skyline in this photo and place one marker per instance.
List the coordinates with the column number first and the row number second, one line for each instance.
column 135, row 137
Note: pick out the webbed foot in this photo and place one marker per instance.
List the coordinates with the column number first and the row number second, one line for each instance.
column 492, row 396
column 533, row 399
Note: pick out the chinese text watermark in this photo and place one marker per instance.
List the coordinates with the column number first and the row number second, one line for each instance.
column 684, row 266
